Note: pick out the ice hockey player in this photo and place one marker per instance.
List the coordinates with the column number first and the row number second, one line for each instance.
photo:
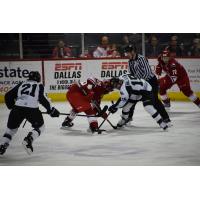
column 175, row 74
column 23, row 100
column 133, row 90
column 86, row 97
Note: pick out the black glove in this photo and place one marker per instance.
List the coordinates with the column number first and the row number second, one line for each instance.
column 113, row 109
column 54, row 112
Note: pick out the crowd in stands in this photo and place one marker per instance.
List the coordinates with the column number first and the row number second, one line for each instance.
column 98, row 45
column 153, row 47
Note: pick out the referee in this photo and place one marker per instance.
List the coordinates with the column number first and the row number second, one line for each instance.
column 139, row 67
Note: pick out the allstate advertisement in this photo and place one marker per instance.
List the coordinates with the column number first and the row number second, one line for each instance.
column 13, row 72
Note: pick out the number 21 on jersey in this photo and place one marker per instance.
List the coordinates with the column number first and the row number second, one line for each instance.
column 28, row 89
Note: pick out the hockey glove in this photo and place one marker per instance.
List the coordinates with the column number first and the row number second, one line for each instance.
column 112, row 109
column 54, row 112
column 104, row 115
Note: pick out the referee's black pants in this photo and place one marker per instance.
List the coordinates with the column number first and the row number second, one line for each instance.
column 156, row 102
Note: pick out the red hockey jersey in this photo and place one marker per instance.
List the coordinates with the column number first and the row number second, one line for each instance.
column 173, row 69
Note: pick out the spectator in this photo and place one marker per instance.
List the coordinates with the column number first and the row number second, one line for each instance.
column 113, row 52
column 153, row 48
column 173, row 47
column 102, row 49
column 195, row 48
column 61, row 51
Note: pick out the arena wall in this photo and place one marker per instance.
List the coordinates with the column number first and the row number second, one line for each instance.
column 57, row 75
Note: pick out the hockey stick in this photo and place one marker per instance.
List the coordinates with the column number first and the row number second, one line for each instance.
column 103, row 121
column 79, row 115
column 96, row 105
column 106, row 119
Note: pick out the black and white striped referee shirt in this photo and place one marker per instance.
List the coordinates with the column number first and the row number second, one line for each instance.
column 140, row 68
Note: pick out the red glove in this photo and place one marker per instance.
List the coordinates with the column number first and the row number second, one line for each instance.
column 105, row 115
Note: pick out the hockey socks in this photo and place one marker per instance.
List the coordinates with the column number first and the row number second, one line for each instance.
column 156, row 116
column 5, row 140
column 195, row 99
column 7, row 137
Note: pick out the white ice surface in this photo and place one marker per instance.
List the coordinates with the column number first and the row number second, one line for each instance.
column 144, row 143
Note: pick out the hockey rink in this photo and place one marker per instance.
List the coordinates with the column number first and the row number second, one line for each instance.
column 142, row 143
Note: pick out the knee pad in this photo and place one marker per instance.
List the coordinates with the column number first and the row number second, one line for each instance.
column 36, row 132
column 39, row 130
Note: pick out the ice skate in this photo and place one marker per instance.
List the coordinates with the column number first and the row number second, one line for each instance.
column 168, row 122
column 3, row 148
column 164, row 126
column 95, row 130
column 27, row 143
column 67, row 124
column 121, row 122
column 128, row 123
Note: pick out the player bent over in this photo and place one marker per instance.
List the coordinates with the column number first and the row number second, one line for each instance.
column 86, row 97
column 133, row 90
column 175, row 74
column 23, row 101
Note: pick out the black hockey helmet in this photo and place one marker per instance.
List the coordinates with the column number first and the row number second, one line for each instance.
column 115, row 82
column 130, row 48
column 34, row 76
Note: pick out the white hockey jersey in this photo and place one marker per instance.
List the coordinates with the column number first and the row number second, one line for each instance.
column 132, row 88
column 27, row 94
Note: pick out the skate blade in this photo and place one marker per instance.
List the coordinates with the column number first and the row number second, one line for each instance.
column 166, row 130
column 96, row 133
column 66, row 128
column 102, row 133
column 128, row 124
column 169, row 124
column 28, row 151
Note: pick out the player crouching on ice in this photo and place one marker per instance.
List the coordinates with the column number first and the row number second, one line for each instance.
column 133, row 90
column 175, row 74
column 23, row 101
column 86, row 97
